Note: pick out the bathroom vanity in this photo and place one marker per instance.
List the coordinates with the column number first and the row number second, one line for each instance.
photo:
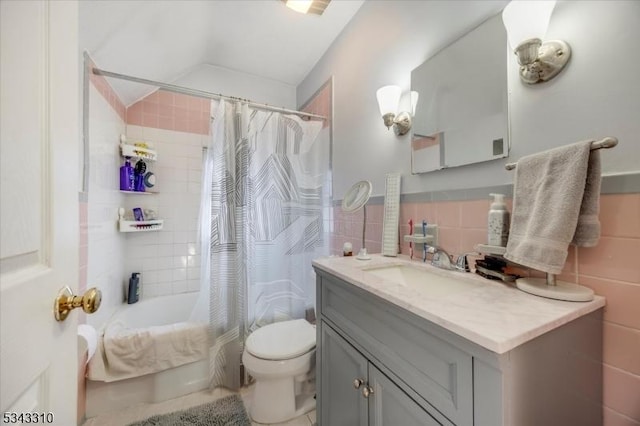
column 403, row 343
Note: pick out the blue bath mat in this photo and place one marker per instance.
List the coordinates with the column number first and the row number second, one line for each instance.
column 227, row 411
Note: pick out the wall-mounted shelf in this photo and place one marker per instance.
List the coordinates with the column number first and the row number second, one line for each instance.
column 140, row 225
column 139, row 192
column 134, row 151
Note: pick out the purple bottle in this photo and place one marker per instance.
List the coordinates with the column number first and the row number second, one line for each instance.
column 126, row 176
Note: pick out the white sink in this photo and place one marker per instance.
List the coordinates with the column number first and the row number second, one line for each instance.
column 429, row 283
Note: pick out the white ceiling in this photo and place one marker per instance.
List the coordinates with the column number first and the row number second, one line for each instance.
column 164, row 40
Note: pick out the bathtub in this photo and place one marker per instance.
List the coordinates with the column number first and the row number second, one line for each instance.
column 109, row 396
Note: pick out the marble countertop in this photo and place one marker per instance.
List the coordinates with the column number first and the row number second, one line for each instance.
column 492, row 314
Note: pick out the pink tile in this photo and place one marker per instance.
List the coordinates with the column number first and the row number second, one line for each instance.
column 623, row 300
column 206, row 127
column 181, row 125
column 194, row 104
column 620, row 215
column 182, row 113
column 375, row 213
column 153, row 98
column 149, row 107
column 165, row 98
column 165, row 123
column 621, row 391
column 470, row 237
column 613, row 418
column 134, row 117
column 614, row 258
column 205, row 105
column 449, row 239
column 448, row 214
column 408, row 211
column 621, row 347
column 195, row 126
column 474, row 214
column 567, row 277
column 180, row 100
column 166, row 110
column 426, row 211
column 150, row 120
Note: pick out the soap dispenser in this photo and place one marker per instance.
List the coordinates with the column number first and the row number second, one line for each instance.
column 499, row 219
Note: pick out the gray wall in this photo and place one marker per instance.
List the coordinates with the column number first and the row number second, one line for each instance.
column 597, row 95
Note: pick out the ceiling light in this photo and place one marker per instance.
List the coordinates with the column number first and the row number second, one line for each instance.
column 308, row 6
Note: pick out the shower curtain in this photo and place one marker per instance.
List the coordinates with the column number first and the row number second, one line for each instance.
column 266, row 194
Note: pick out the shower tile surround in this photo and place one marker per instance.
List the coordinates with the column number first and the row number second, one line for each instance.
column 169, row 260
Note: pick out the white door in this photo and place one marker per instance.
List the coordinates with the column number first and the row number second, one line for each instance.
column 39, row 144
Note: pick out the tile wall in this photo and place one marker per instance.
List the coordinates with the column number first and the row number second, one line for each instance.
column 101, row 246
column 610, row 269
column 171, row 111
column 169, row 260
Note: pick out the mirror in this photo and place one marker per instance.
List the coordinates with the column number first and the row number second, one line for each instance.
column 356, row 199
column 462, row 113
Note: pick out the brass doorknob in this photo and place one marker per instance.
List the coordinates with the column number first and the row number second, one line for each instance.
column 66, row 301
column 357, row 383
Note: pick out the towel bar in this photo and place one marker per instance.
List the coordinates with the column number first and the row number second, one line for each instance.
column 608, row 142
column 549, row 287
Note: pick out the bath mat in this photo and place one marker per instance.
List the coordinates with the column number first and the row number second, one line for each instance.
column 227, row 411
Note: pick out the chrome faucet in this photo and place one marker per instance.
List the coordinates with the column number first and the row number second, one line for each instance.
column 442, row 259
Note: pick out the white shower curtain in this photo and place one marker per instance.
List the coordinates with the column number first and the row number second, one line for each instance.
column 266, row 195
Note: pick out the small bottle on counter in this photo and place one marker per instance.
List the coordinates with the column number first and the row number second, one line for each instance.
column 347, row 249
column 499, row 220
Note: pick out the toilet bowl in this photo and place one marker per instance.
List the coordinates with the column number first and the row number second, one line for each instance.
column 281, row 359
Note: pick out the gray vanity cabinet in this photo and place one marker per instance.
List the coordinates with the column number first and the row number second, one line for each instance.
column 409, row 371
column 356, row 393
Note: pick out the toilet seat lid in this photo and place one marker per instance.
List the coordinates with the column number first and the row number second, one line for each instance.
column 282, row 340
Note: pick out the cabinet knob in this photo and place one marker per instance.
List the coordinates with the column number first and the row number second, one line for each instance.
column 367, row 391
column 357, row 383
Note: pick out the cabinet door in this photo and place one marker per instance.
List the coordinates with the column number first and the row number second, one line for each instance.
column 391, row 406
column 341, row 404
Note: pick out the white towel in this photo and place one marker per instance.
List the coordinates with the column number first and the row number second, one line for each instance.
column 556, row 198
column 125, row 353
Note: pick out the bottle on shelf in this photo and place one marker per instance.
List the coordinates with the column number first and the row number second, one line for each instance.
column 127, row 176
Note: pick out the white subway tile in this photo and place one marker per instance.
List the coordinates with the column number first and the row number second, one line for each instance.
column 179, row 274
column 179, row 287
column 165, row 250
column 180, row 261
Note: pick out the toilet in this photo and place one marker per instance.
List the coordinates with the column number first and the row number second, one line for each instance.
column 281, row 359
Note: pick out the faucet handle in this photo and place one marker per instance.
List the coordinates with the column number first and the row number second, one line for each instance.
column 462, row 264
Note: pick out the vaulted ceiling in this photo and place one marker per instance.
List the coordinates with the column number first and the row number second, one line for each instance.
column 165, row 40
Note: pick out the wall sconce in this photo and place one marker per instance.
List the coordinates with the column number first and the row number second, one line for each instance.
column 388, row 100
column 526, row 23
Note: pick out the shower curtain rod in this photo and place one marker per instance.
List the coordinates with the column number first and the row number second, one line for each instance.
column 200, row 93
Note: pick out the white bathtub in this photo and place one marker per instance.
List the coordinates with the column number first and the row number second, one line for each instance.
column 104, row 397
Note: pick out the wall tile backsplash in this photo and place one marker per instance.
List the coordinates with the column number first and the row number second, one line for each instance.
column 610, row 269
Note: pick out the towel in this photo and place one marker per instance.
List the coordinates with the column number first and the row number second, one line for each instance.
column 556, row 202
column 124, row 353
